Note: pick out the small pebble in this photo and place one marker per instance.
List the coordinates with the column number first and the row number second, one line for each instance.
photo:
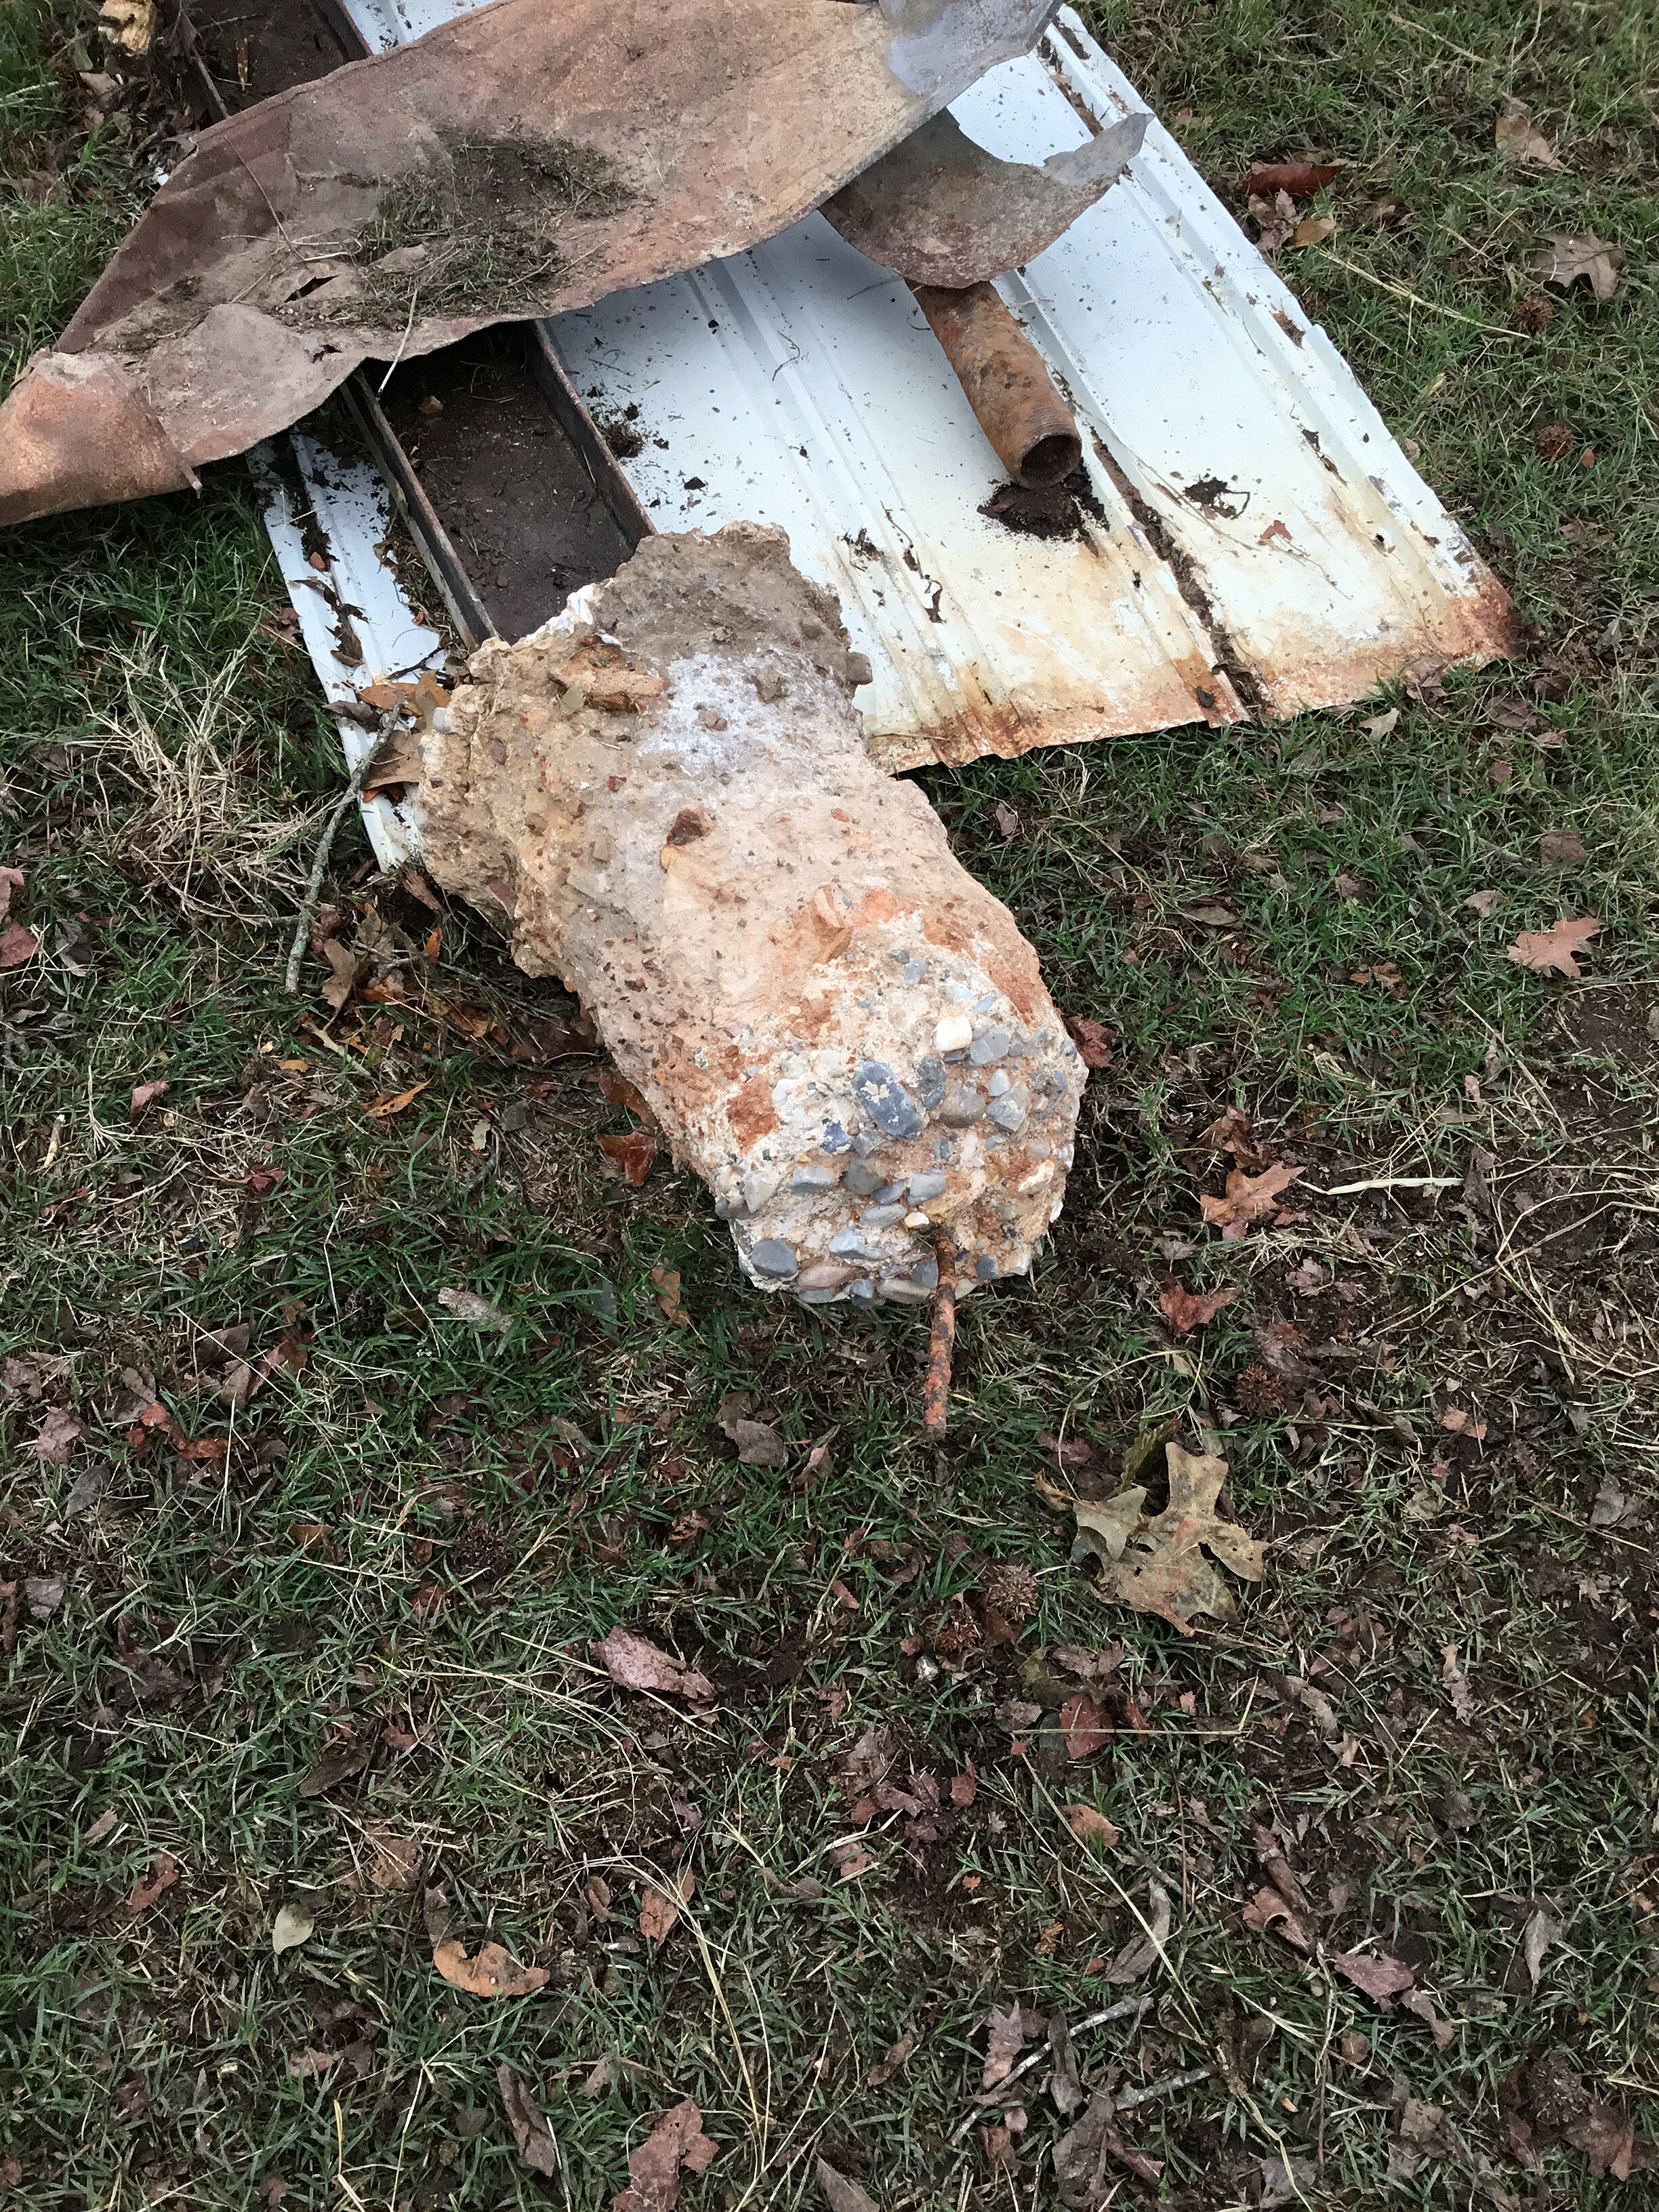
column 848, row 1242
column 772, row 1256
column 962, row 1106
column 901, row 1288
column 915, row 971
column 1008, row 1113
column 986, row 1267
column 862, row 1179
column 925, row 1276
column 1000, row 1082
column 879, row 1217
column 889, row 1191
column 955, row 1033
column 863, row 1144
column 886, row 1101
column 993, row 1045
column 926, row 1186
column 835, row 1140
column 824, row 1275
column 813, row 1178
column 930, row 1081
column 917, row 1220
column 864, row 1292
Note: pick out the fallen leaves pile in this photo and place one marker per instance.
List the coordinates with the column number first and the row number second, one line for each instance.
column 1156, row 1563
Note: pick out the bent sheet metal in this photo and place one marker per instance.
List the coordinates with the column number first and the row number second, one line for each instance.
column 521, row 159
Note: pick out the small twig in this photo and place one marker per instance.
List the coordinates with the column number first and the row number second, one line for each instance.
column 1385, row 1182
column 1416, row 299
column 402, row 341
column 935, row 1392
column 1121, row 2010
column 313, row 889
column 1166, row 2087
column 1589, row 1529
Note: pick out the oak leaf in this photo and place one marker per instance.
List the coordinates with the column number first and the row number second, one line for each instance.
column 1541, row 950
column 494, row 1972
column 1089, row 1827
column 633, row 1663
column 653, row 2171
column 1185, row 1311
column 1572, row 254
column 1158, row 1566
column 1249, row 1199
column 661, row 1908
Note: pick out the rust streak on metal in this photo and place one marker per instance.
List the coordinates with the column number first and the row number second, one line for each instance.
column 936, row 1394
column 1008, row 386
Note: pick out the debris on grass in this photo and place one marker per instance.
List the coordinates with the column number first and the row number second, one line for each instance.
column 1084, row 1727
column 1518, row 138
column 634, row 1663
column 1379, row 1974
column 494, row 1972
column 532, row 2138
column 477, row 1312
column 633, row 1155
column 17, row 944
column 53, row 1442
column 293, row 1926
column 660, row 1907
column 1249, row 1199
column 1084, row 2159
column 1572, row 256
column 145, row 1095
column 163, row 1874
column 892, row 2061
column 1006, row 2035
column 1156, row 1565
column 758, row 1442
column 1091, row 1826
column 1184, row 1310
column 1301, row 179
column 653, row 2171
column 1143, row 1952
column 841, row 2194
column 1553, row 948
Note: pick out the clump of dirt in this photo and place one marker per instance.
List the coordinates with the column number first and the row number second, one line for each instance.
column 620, row 432
column 480, row 235
column 1054, row 510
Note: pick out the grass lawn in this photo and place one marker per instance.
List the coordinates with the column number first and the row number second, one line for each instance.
column 321, row 1647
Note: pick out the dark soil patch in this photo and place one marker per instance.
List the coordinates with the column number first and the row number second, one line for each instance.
column 254, row 51
column 524, row 512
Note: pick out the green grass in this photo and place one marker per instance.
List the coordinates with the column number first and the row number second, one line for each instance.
column 421, row 1527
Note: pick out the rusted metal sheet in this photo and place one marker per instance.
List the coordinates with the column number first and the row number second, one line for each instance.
column 522, row 159
column 942, row 210
column 798, row 385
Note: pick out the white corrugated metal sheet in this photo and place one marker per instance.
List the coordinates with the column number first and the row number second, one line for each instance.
column 1257, row 543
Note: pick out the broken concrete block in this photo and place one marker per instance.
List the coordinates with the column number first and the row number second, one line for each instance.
column 665, row 791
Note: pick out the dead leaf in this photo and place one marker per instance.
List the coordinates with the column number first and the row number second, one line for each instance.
column 1185, row 1311
column 653, row 2171
column 840, row 2193
column 1421, row 2006
column 494, row 1972
column 336, row 1767
column 1542, row 950
column 1143, row 1950
column 53, row 1443
column 964, row 1788
column 43, row 1595
column 103, row 1826
column 1539, row 1934
column 1313, row 229
column 1081, row 2159
column 1092, row 1039
column 1268, row 1910
column 342, row 980
column 161, row 1876
column 892, row 2062
column 144, row 1094
column 1007, row 821
column 1383, row 1978
column 1159, row 1567
column 383, row 1110
column 532, row 2136
column 1607, row 2136
column 1347, row 887
column 661, row 1908
column 1518, row 138
column 17, row 945
column 849, row 1859
column 1301, row 179
column 477, row 1312
column 11, row 880
column 1457, row 1684
column 1571, row 255
column 1249, row 1199
column 667, row 1281
column 1089, row 1827
column 634, row 1154
column 636, row 1664
column 1084, row 1727
column 310, row 2065
column 1561, row 848
column 1383, row 725
column 758, row 1442
column 1276, row 216
column 1005, row 2034
column 1483, row 902
column 394, row 1861
column 292, row 1926
column 396, row 761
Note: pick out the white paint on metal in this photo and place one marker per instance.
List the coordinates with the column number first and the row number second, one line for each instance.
column 798, row 386
column 350, row 510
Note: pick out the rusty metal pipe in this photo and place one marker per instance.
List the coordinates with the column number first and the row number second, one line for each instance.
column 942, row 1344
column 1008, row 386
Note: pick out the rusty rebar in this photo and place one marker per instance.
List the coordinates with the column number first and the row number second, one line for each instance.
column 1008, row 386
column 935, row 1392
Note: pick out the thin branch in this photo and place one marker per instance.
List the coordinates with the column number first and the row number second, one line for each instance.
column 326, row 844
column 1121, row 2011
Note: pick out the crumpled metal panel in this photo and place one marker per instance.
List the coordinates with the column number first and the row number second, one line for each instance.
column 1255, row 514
column 514, row 161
